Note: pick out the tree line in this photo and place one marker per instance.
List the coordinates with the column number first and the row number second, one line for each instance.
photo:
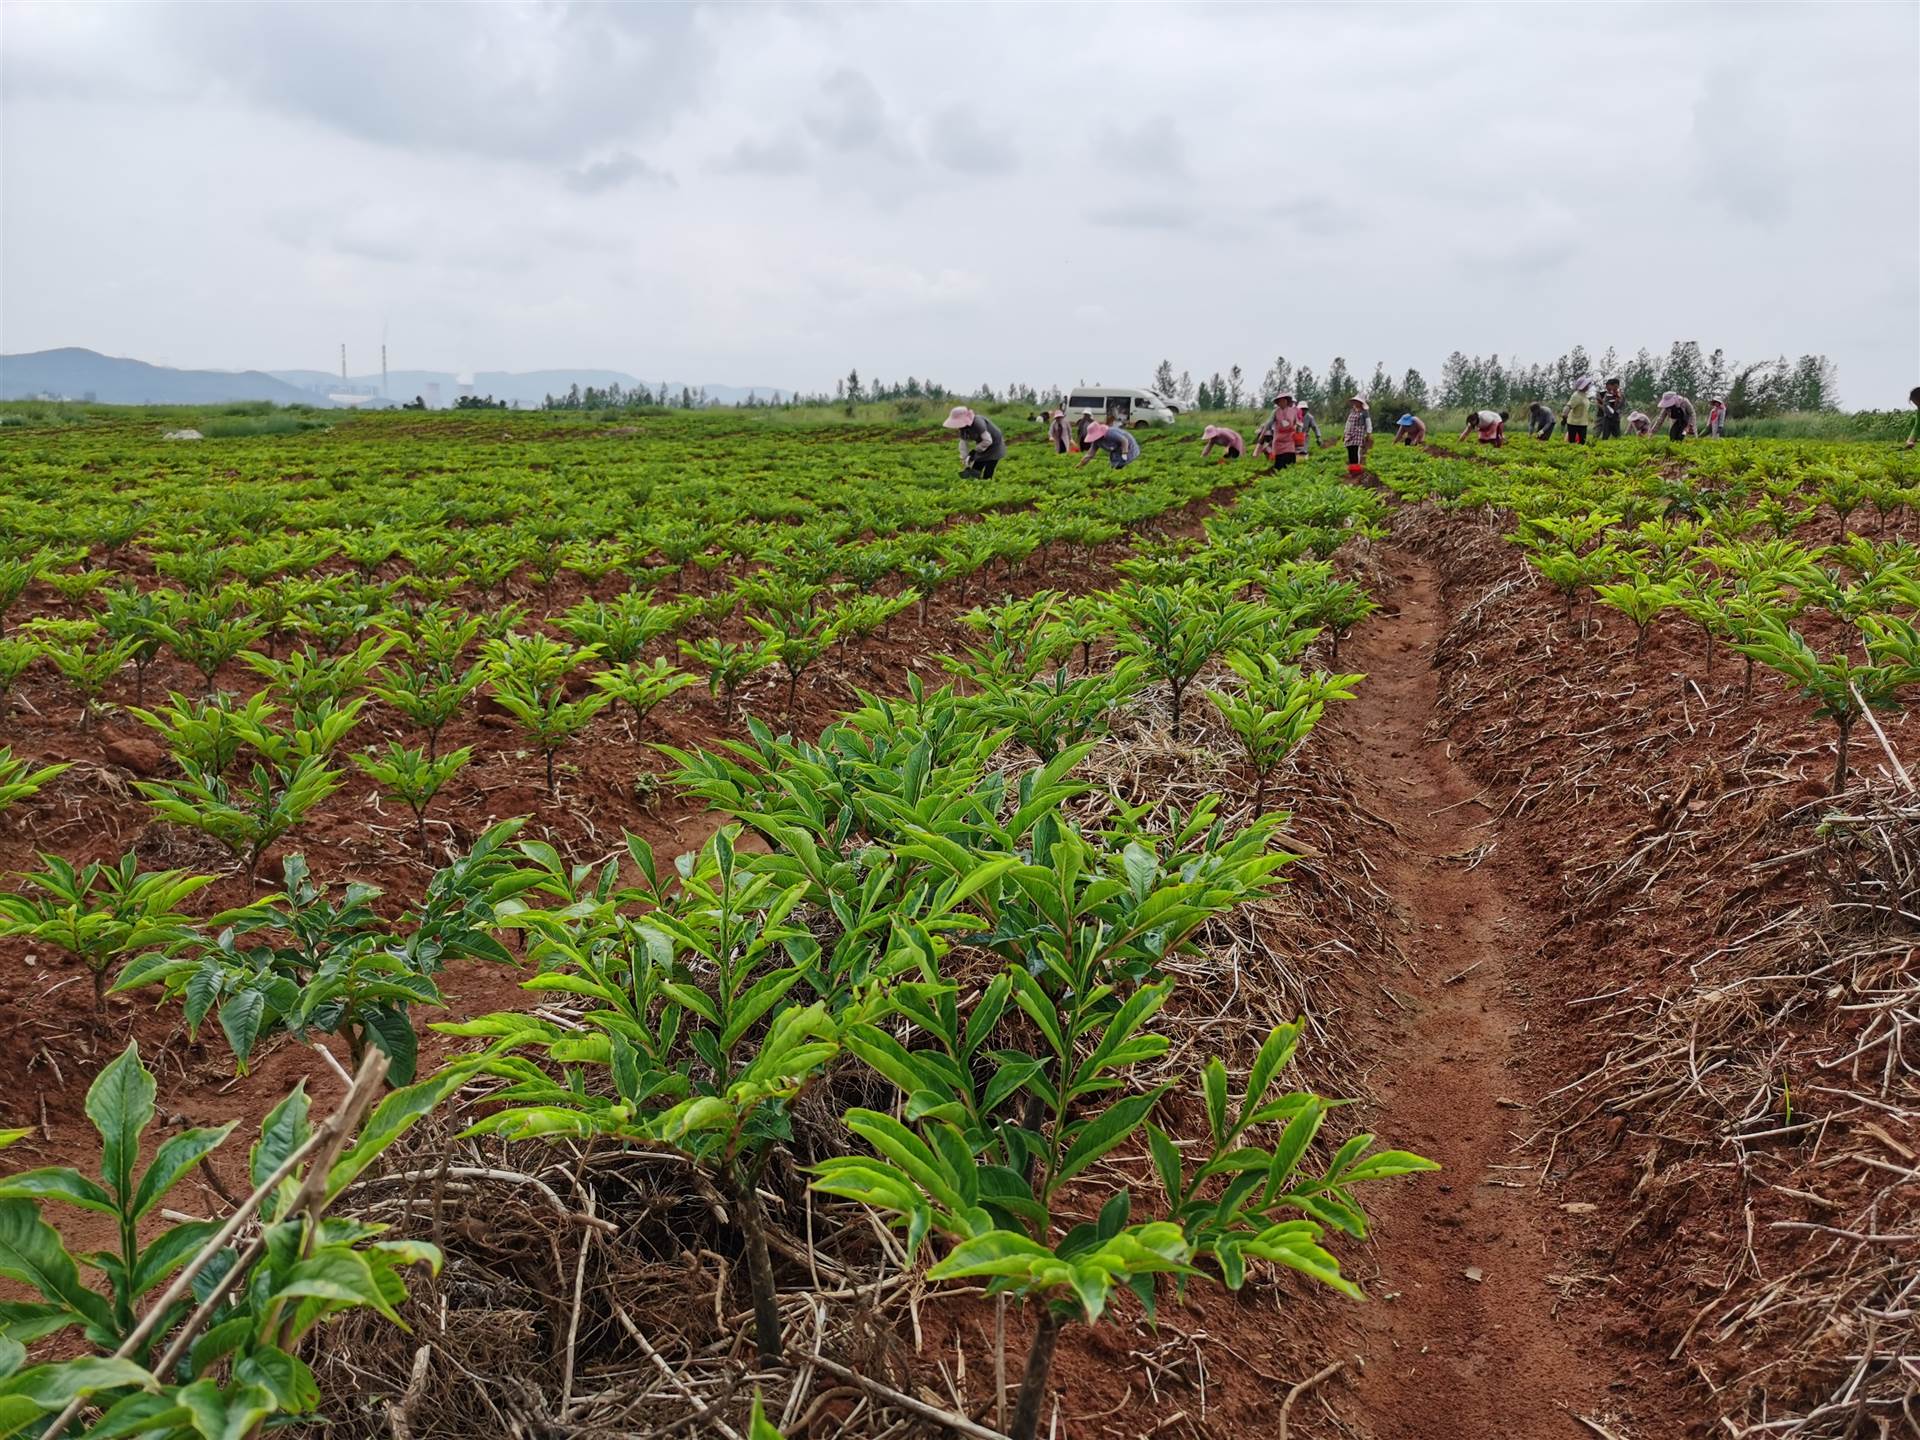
column 1751, row 389
column 616, row 396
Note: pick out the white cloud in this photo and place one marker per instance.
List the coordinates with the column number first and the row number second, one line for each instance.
column 774, row 194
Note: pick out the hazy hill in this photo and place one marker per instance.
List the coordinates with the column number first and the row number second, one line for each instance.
column 75, row 374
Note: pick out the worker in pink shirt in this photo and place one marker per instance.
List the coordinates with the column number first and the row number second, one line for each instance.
column 1289, row 431
column 1229, row 441
column 1492, row 425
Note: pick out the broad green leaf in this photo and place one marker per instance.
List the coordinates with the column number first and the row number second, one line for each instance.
column 32, row 1252
column 391, row 1118
column 1213, row 1080
column 1107, row 1130
column 174, row 1247
column 120, row 1105
column 285, row 1377
column 176, row 1156
column 392, row 1032
column 1387, row 1165
column 240, row 1020
column 284, row 1131
column 59, row 1183
column 52, row 1386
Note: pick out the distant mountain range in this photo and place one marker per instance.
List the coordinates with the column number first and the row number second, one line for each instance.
column 74, row 374
column 77, row 374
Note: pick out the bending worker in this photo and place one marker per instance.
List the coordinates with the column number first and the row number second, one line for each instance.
column 1229, row 441
column 1492, row 425
column 1118, row 443
column 982, row 446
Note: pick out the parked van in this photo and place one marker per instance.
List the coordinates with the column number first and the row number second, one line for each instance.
column 1117, row 405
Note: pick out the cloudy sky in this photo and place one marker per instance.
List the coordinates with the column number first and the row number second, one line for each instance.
column 769, row 195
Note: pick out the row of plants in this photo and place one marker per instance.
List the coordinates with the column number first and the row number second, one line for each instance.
column 939, row 906
column 1748, row 543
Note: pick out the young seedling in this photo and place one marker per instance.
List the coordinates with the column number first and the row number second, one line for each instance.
column 1840, row 687
column 1275, row 710
column 412, row 778
column 528, row 674
column 101, row 914
column 796, row 643
column 641, row 687
column 228, row 1365
column 313, row 962
column 90, row 669
column 1177, row 630
column 19, row 780
column 16, row 574
column 727, row 664
column 691, row 1029
column 428, row 696
column 136, row 615
column 16, row 657
column 1642, row 600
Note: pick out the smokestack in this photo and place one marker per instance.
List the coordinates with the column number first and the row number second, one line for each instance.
column 383, row 369
column 343, row 362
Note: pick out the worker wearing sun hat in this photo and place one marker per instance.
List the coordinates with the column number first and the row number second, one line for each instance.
column 982, row 446
column 1578, row 413
column 1358, row 434
column 1118, row 443
column 1288, row 431
column 1409, row 429
column 1679, row 409
column 1080, row 425
column 1233, row 447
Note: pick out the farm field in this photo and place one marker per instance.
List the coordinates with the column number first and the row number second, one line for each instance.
column 803, row 943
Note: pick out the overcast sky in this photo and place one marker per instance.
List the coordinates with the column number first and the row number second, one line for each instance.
column 769, row 195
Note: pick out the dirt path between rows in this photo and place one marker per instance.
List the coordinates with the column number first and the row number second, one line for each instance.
column 1468, row 1336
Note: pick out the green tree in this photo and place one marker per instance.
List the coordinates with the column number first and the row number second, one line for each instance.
column 1685, row 370
column 1339, row 382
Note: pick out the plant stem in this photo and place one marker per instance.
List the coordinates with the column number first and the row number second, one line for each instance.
column 1033, row 1384
column 766, row 1301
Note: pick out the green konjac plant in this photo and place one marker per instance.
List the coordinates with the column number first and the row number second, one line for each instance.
column 90, row 668
column 690, row 1020
column 16, row 658
column 528, row 674
column 727, row 664
column 1840, row 687
column 311, row 962
column 412, row 777
column 102, row 914
column 19, row 780
column 428, row 696
column 641, row 686
column 1275, row 710
column 996, row 1126
column 216, row 1351
column 16, row 574
column 1178, row 629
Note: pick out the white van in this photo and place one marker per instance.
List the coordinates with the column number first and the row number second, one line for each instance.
column 1118, row 405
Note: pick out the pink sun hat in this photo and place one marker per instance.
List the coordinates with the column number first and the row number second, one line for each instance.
column 1096, row 430
column 958, row 418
